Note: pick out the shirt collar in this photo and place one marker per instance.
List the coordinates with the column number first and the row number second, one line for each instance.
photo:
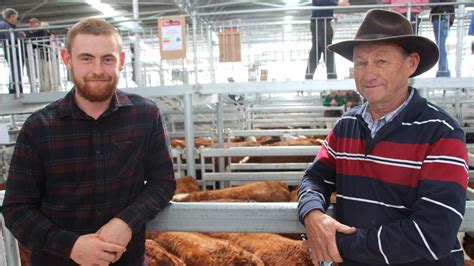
column 387, row 117
column 67, row 106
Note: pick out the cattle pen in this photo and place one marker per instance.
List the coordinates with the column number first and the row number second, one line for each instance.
column 219, row 217
column 236, row 106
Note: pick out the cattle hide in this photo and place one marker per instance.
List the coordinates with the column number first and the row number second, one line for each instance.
column 186, row 184
column 198, row 142
column 156, row 255
column 177, row 143
column 468, row 245
column 298, row 142
column 267, row 191
column 25, row 254
column 270, row 248
column 294, row 195
column 201, row 250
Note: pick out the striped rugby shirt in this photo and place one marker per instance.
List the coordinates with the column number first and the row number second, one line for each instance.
column 404, row 190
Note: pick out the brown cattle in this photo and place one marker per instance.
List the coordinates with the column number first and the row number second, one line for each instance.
column 201, row 250
column 156, row 255
column 177, row 143
column 294, row 195
column 202, row 141
column 198, row 142
column 186, row 184
column 468, row 245
column 25, row 254
column 242, row 144
column 301, row 141
column 270, row 248
column 267, row 191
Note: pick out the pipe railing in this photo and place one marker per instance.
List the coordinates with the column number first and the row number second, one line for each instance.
column 224, row 217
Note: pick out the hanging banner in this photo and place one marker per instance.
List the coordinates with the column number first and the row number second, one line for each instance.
column 229, row 45
column 172, row 33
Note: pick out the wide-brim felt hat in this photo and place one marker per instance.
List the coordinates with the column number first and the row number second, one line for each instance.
column 386, row 26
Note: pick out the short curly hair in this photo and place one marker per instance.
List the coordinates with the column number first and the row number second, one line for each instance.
column 9, row 12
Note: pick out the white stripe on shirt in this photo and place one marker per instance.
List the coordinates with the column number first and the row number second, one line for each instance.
column 444, row 205
column 429, row 121
column 424, row 241
column 380, row 245
column 372, row 202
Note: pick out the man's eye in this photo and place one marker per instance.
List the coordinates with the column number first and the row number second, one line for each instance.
column 109, row 60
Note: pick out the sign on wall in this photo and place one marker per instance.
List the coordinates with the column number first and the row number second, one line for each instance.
column 172, row 35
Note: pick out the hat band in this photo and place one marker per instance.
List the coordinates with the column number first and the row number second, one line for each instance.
column 374, row 36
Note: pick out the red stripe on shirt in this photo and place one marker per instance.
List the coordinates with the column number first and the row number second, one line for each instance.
column 382, row 172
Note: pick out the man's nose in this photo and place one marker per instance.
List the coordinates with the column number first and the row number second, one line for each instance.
column 370, row 72
column 97, row 68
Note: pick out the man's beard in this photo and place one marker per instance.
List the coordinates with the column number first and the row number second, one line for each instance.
column 95, row 93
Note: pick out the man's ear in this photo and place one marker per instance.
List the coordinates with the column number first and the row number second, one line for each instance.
column 66, row 58
column 412, row 62
column 122, row 60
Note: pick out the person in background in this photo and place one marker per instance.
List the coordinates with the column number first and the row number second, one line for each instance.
column 40, row 48
column 352, row 99
column 442, row 18
column 321, row 36
column 414, row 10
column 471, row 32
column 9, row 20
column 397, row 163
column 89, row 170
column 238, row 99
column 334, row 98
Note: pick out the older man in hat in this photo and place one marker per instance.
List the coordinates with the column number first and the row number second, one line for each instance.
column 397, row 163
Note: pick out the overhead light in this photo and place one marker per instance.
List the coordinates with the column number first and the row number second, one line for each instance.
column 105, row 9
column 292, row 2
column 126, row 23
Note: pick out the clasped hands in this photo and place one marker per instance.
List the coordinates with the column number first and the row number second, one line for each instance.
column 103, row 247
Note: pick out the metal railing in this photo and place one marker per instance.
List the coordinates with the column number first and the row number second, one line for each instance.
column 280, row 49
column 223, row 217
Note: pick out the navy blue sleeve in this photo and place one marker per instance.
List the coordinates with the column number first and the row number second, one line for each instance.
column 430, row 231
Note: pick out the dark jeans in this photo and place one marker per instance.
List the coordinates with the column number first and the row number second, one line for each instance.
column 322, row 34
column 441, row 28
column 415, row 22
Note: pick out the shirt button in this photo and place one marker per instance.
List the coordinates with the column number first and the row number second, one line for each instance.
column 97, row 152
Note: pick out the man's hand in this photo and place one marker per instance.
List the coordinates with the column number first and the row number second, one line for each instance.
column 321, row 231
column 117, row 232
column 90, row 250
